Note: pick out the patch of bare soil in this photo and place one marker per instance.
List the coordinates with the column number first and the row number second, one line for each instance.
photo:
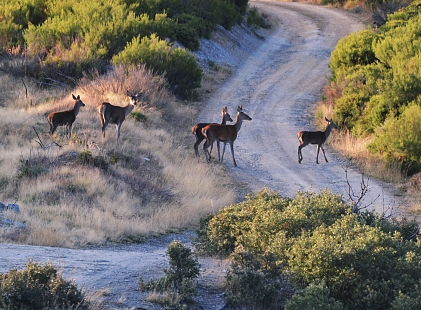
column 278, row 80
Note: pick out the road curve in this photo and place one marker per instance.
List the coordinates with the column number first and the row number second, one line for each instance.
column 279, row 85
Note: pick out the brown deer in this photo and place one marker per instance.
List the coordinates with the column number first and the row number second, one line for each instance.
column 65, row 118
column 224, row 133
column 315, row 137
column 111, row 114
column 197, row 130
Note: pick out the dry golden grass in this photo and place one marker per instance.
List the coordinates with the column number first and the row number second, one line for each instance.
column 90, row 191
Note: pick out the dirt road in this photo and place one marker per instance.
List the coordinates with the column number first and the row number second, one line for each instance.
column 279, row 86
column 278, row 81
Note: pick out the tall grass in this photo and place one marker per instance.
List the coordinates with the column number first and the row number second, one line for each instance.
column 90, row 190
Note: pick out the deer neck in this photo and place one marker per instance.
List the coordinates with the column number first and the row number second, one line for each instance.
column 328, row 130
column 128, row 108
column 238, row 122
column 76, row 108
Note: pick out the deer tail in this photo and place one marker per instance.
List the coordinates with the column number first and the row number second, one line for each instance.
column 300, row 136
column 193, row 129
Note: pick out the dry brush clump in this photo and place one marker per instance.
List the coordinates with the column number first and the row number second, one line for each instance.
column 86, row 190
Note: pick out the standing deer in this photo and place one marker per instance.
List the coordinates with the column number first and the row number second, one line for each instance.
column 111, row 114
column 65, row 118
column 224, row 133
column 197, row 129
column 315, row 137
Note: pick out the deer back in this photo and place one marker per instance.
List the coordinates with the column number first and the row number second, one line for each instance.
column 220, row 132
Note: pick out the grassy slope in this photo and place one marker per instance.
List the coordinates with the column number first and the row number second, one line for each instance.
column 91, row 191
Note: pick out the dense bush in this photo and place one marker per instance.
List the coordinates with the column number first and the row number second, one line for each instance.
column 314, row 243
column 179, row 66
column 39, row 287
column 376, row 76
column 400, row 138
column 256, row 222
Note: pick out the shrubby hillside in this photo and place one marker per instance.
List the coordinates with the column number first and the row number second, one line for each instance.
column 375, row 88
column 59, row 40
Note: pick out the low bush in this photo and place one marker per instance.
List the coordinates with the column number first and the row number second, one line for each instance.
column 37, row 287
column 179, row 279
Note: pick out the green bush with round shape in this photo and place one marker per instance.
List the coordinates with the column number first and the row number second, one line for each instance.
column 39, row 286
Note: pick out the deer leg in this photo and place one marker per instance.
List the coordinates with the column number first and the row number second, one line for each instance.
column 205, row 149
column 323, row 153
column 223, row 152
column 118, row 131
column 300, row 155
column 219, row 153
column 317, row 155
column 232, row 153
column 69, row 129
column 104, row 125
column 196, row 146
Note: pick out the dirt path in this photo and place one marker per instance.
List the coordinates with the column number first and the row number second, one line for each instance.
column 277, row 81
column 279, row 86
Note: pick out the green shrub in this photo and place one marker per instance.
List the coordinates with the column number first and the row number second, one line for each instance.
column 400, row 138
column 179, row 279
column 256, row 282
column 179, row 66
column 37, row 287
column 254, row 18
column 138, row 116
column 27, row 169
column 254, row 223
column 313, row 297
column 187, row 36
column 86, row 158
column 355, row 49
column 364, row 267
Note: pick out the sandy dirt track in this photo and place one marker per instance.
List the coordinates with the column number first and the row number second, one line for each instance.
column 279, row 86
column 278, row 81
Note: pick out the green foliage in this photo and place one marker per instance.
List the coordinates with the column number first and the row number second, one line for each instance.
column 184, row 268
column 313, row 297
column 180, row 67
column 256, row 282
column 138, row 116
column 27, row 169
column 86, row 158
column 39, row 287
column 353, row 50
column 400, row 138
column 377, row 76
column 349, row 261
column 363, row 266
column 254, row 223
column 187, row 36
column 254, row 18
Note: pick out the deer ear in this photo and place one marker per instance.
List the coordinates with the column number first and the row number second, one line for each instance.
column 129, row 93
column 327, row 119
column 74, row 97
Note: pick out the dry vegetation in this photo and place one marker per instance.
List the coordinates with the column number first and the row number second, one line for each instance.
column 90, row 191
column 355, row 149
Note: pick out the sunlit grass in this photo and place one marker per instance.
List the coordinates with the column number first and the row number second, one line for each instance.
column 150, row 183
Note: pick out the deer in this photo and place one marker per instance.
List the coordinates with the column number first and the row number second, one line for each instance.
column 197, row 130
column 65, row 118
column 315, row 137
column 224, row 133
column 111, row 114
